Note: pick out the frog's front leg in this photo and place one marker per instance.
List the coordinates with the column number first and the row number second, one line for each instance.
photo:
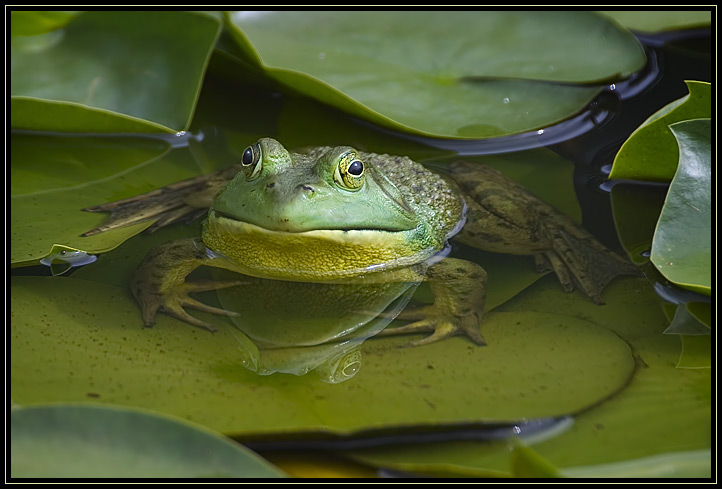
column 459, row 288
column 159, row 282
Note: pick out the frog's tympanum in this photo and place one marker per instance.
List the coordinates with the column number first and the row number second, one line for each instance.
column 332, row 214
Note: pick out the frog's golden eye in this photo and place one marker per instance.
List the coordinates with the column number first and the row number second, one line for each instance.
column 251, row 160
column 350, row 171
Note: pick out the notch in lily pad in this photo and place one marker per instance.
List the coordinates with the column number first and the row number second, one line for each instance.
column 63, row 258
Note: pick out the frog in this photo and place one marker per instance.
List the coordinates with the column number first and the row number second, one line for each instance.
column 334, row 213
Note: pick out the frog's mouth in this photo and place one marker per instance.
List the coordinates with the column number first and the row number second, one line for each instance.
column 286, row 226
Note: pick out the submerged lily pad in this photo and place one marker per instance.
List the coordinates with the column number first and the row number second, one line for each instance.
column 651, row 152
column 682, row 245
column 444, row 74
column 696, row 352
column 109, row 71
column 99, row 441
column 76, row 340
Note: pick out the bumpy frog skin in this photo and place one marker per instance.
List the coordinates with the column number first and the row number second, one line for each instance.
column 333, row 213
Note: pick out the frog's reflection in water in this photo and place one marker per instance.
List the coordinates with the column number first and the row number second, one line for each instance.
column 299, row 327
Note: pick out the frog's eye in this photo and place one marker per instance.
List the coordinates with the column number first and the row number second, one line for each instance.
column 350, row 171
column 251, row 160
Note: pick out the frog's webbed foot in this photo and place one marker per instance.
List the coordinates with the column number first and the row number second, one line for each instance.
column 459, row 289
column 181, row 201
column 176, row 299
column 159, row 283
column 580, row 261
column 504, row 217
column 428, row 319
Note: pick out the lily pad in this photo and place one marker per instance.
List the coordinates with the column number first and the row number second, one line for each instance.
column 34, row 22
column 525, row 462
column 660, row 20
column 626, row 428
column 109, row 71
column 53, row 178
column 394, row 68
column 99, row 441
column 76, row 340
column 682, row 245
column 651, row 152
column 636, row 210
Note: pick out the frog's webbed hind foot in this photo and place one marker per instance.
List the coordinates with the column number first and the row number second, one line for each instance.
column 181, row 201
column 175, row 300
column 159, row 283
column 459, row 288
column 579, row 261
column 427, row 319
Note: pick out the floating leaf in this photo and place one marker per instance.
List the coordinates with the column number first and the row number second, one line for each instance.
column 77, row 340
column 691, row 464
column 625, row 428
column 34, row 22
column 109, row 71
column 660, row 20
column 682, row 243
column 444, row 74
column 651, row 152
column 98, row 441
column 525, row 462
column 53, row 178
column 636, row 210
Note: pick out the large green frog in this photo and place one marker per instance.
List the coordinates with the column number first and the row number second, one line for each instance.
column 332, row 214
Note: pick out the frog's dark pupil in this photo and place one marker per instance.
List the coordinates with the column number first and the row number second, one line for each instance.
column 356, row 168
column 247, row 157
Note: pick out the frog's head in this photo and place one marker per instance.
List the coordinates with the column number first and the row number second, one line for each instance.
column 332, row 189
column 304, row 215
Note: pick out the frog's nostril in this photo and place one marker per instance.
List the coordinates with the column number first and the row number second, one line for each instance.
column 271, row 185
column 307, row 188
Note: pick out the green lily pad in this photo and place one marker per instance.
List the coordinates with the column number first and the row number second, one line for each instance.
column 77, row 340
column 393, row 68
column 109, row 71
column 525, row 462
column 34, row 22
column 651, row 152
column 660, row 20
column 682, row 243
column 636, row 210
column 603, row 439
column 53, row 178
column 689, row 464
column 99, row 441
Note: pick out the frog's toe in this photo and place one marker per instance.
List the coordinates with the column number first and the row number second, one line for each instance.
column 206, row 285
column 149, row 304
column 190, row 302
column 561, row 270
column 177, row 311
column 440, row 328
